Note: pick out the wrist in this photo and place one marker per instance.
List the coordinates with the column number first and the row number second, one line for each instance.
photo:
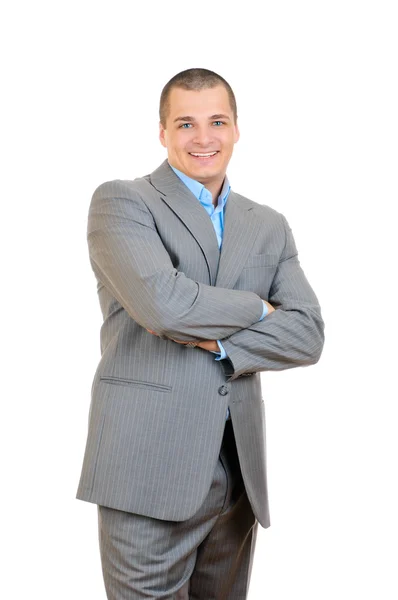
column 209, row 345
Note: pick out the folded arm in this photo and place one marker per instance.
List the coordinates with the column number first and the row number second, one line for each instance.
column 127, row 255
column 290, row 336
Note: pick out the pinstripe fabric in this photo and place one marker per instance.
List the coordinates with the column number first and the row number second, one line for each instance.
column 157, row 411
column 207, row 557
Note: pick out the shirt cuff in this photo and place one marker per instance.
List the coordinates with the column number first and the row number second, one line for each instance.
column 265, row 311
column 222, row 354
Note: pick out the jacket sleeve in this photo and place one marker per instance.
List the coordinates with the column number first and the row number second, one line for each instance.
column 292, row 335
column 128, row 257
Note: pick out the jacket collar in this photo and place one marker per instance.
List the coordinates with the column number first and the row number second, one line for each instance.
column 240, row 226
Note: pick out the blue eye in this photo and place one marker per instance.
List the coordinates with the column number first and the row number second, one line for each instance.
column 184, row 125
column 221, row 122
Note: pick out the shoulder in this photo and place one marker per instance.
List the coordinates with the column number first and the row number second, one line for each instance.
column 120, row 188
column 262, row 211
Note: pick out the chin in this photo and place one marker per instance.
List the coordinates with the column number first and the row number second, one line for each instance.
column 207, row 170
column 205, row 174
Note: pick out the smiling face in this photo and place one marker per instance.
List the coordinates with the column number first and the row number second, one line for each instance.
column 200, row 123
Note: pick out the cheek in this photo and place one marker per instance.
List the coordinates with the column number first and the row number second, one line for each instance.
column 227, row 148
column 228, row 141
column 181, row 142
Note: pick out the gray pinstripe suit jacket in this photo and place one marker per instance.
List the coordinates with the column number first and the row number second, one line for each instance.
column 158, row 408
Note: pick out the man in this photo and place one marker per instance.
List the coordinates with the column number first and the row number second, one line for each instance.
column 201, row 290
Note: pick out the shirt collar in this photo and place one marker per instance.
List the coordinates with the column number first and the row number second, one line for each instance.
column 202, row 193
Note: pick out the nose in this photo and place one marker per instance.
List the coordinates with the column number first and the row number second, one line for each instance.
column 202, row 136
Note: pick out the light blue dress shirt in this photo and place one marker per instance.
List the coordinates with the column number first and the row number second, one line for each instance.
column 216, row 215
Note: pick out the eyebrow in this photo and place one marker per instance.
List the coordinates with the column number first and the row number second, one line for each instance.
column 187, row 118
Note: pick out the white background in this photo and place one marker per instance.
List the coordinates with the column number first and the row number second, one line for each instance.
column 316, row 86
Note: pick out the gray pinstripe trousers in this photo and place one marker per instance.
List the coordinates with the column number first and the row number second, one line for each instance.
column 207, row 557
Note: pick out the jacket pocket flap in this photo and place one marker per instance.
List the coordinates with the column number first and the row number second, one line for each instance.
column 261, row 260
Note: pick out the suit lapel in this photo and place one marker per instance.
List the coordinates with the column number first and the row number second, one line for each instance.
column 190, row 211
column 240, row 231
column 240, row 226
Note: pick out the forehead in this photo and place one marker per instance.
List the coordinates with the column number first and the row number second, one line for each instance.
column 199, row 103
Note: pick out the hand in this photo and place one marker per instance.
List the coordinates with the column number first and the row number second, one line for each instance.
column 269, row 306
column 209, row 345
column 176, row 341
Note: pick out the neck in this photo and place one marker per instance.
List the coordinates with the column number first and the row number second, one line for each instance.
column 214, row 188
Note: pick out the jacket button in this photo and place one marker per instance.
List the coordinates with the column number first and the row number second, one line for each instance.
column 223, row 390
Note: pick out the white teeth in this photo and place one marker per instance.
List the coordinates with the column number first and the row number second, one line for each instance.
column 197, row 154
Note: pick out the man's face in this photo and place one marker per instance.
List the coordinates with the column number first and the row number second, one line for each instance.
column 200, row 122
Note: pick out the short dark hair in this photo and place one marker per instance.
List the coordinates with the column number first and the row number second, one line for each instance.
column 193, row 79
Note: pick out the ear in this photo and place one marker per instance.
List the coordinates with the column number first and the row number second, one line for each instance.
column 237, row 132
column 162, row 135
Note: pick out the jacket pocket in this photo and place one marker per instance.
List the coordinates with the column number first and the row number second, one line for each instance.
column 136, row 383
column 261, row 260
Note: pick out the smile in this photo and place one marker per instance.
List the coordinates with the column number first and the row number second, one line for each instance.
column 203, row 157
column 203, row 154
